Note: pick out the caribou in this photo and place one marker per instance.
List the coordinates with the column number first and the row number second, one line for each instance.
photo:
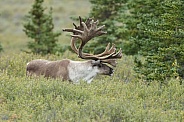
column 75, row 71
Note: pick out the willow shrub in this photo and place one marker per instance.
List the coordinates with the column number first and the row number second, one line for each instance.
column 116, row 98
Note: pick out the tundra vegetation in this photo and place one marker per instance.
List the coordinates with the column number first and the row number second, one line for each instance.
column 122, row 97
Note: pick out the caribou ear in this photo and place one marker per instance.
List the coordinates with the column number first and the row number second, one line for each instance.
column 95, row 62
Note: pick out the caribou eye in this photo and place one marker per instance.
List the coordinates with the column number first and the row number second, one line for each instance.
column 100, row 65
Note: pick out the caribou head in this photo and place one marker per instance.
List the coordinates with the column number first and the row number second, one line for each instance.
column 75, row 71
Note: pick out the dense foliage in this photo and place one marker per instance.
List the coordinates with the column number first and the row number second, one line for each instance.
column 109, row 99
column 39, row 26
column 107, row 12
column 151, row 28
column 160, row 36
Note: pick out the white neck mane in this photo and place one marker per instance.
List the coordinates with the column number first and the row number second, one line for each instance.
column 81, row 71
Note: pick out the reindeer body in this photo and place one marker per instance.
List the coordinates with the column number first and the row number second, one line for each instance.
column 67, row 69
column 79, row 70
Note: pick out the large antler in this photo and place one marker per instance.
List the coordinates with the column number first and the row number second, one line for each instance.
column 85, row 32
column 78, row 30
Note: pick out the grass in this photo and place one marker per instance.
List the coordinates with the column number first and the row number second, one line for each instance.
column 116, row 98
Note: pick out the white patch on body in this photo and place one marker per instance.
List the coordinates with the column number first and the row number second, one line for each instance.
column 81, row 71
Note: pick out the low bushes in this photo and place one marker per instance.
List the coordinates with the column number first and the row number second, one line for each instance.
column 116, row 98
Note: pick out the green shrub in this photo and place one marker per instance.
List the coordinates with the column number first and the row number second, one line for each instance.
column 116, row 98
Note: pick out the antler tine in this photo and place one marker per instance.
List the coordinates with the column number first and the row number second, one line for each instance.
column 107, row 50
column 98, row 30
column 80, row 27
column 114, row 55
column 112, row 62
column 112, row 49
column 118, row 54
column 110, row 53
column 94, row 24
column 80, row 20
column 74, row 25
column 88, row 21
column 77, row 31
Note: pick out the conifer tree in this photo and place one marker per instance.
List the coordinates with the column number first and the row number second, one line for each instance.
column 161, row 38
column 151, row 28
column 107, row 12
column 39, row 26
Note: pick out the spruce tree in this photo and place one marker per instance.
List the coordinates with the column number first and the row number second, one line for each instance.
column 160, row 37
column 39, row 26
column 107, row 12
